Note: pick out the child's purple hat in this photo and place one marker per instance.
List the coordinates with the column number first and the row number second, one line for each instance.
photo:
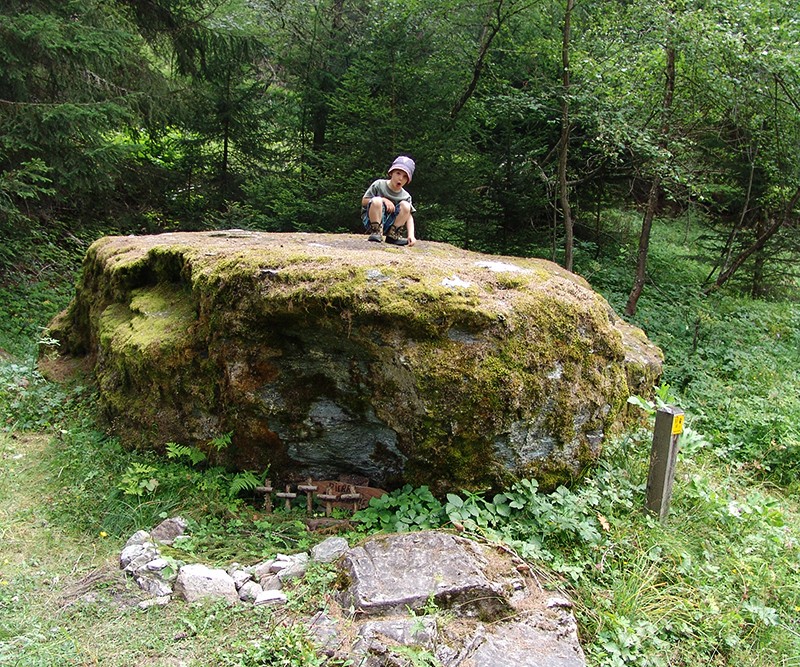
column 405, row 164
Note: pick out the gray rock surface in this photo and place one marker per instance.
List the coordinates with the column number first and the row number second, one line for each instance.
column 409, row 631
column 406, row 571
column 136, row 556
column 249, row 591
column 329, row 550
column 240, row 577
column 527, row 628
column 168, row 530
column 270, row 598
column 540, row 640
column 152, row 584
column 196, row 581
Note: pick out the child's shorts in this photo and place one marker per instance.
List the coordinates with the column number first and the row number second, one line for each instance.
column 386, row 221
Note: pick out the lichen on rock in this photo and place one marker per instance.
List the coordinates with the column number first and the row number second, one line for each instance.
column 326, row 355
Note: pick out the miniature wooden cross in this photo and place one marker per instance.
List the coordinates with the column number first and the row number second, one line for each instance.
column 287, row 496
column 267, row 491
column 309, row 488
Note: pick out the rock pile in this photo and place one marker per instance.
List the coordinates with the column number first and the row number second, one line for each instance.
column 164, row 577
column 466, row 603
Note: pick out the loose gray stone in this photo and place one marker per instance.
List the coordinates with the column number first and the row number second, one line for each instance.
column 168, row 530
column 419, row 631
column 157, row 565
column 249, row 591
column 399, row 572
column 271, row 582
column 283, row 562
column 153, row 584
column 262, row 570
column 196, row 581
column 270, row 598
column 325, row 631
column 294, row 571
column 138, row 555
column 139, row 537
column 154, row 602
column 329, row 550
column 240, row 578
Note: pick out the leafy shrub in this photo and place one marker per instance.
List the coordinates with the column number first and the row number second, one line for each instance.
column 402, row 510
column 287, row 645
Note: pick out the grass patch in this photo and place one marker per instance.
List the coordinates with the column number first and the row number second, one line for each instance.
column 64, row 601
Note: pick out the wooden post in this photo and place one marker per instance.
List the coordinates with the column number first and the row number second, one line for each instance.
column 354, row 496
column 309, row 487
column 663, row 456
column 328, row 498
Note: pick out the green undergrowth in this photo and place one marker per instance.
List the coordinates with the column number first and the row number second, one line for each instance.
column 717, row 584
column 734, row 361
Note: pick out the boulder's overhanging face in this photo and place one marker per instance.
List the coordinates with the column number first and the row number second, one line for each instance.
column 325, row 354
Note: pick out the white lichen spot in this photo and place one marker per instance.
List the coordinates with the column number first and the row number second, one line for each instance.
column 374, row 275
column 557, row 372
column 502, row 267
column 455, row 281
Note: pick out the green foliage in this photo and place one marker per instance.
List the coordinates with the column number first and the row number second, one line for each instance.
column 402, row 510
column 138, row 480
column 214, row 482
column 730, row 359
column 28, row 401
column 663, row 396
column 287, row 645
column 244, row 537
column 176, row 451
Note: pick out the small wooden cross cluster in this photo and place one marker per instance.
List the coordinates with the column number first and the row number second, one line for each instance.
column 330, row 493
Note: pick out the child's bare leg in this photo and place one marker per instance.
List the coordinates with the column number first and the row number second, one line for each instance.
column 375, row 215
column 375, row 209
column 405, row 219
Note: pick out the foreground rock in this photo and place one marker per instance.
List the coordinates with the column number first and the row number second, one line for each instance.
column 325, row 355
column 464, row 601
column 467, row 603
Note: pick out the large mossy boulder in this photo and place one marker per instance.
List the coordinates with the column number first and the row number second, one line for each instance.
column 326, row 355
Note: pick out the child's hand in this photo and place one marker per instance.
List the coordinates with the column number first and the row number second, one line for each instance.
column 411, row 240
column 389, row 204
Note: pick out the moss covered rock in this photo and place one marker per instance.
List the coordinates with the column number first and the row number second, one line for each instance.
column 325, row 355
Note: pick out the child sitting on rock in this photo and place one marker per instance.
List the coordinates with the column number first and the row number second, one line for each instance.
column 386, row 207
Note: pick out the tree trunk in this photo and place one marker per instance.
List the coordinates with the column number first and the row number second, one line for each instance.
column 759, row 260
column 725, row 258
column 655, row 186
column 563, row 152
column 644, row 247
column 758, row 244
column 488, row 34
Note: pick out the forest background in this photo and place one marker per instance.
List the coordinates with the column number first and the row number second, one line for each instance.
column 571, row 130
column 528, row 120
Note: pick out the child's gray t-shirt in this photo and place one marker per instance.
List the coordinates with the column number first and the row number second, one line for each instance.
column 380, row 188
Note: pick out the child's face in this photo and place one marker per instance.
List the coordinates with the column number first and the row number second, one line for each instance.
column 397, row 179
